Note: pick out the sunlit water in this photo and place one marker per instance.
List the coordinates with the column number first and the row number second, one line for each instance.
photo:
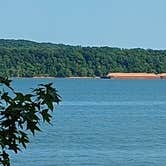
column 101, row 123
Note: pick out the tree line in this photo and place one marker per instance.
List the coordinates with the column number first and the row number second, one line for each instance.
column 21, row 58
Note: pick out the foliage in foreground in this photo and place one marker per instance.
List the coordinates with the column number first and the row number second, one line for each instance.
column 20, row 113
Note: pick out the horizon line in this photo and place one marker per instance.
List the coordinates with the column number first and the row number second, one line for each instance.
column 79, row 45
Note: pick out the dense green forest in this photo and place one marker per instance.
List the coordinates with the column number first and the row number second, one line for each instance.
column 21, row 58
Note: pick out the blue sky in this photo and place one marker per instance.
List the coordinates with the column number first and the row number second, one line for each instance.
column 116, row 23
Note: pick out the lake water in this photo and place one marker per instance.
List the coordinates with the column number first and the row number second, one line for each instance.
column 101, row 123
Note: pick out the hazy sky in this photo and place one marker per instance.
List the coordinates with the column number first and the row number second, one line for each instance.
column 118, row 23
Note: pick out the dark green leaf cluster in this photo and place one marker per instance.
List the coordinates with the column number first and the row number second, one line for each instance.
column 20, row 113
column 20, row 58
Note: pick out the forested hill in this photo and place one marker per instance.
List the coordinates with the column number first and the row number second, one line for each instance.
column 21, row 58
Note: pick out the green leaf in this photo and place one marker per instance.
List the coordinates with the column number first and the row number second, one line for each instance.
column 46, row 116
column 23, row 112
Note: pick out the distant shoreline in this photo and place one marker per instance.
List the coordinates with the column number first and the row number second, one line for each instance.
column 112, row 76
column 37, row 77
column 144, row 76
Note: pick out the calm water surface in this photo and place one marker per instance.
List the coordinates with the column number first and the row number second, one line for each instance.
column 101, row 123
